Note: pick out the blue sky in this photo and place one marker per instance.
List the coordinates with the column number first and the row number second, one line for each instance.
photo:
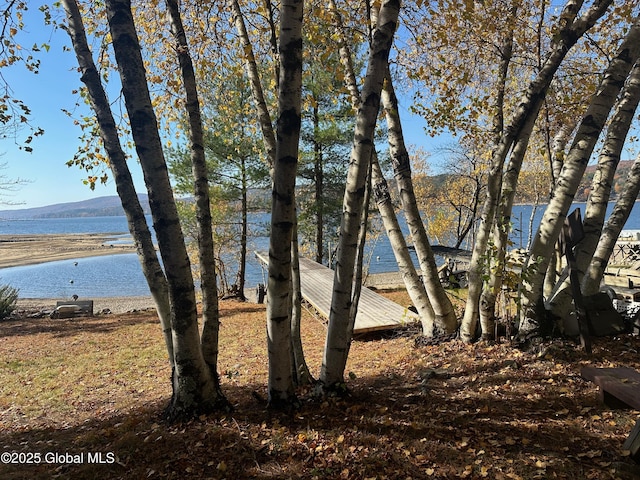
column 48, row 180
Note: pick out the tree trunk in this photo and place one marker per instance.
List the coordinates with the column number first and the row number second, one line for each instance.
column 598, row 201
column 445, row 320
column 358, row 274
column 301, row 373
column 264, row 118
column 279, row 295
column 151, row 268
column 206, row 248
column 611, row 232
column 244, row 234
column 502, row 226
column 194, row 387
column 607, row 164
column 415, row 288
column 479, row 251
column 591, row 125
column 318, row 174
column 334, row 361
column 558, row 154
column 268, row 134
column 569, row 31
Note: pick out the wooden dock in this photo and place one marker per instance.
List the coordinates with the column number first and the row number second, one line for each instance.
column 375, row 312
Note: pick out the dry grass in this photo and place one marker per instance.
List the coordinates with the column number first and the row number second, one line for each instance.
column 99, row 385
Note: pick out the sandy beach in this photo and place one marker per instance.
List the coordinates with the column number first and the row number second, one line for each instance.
column 19, row 250
column 101, row 305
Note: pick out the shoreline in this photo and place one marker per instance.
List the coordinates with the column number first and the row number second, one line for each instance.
column 115, row 305
column 31, row 249
column 22, row 250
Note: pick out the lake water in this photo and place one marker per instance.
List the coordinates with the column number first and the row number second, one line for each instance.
column 121, row 275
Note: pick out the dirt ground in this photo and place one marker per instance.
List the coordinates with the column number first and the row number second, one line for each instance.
column 99, row 385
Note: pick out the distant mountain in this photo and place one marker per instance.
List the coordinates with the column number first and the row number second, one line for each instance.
column 618, row 180
column 96, row 207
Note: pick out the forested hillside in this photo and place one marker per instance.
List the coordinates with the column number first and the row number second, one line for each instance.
column 95, row 207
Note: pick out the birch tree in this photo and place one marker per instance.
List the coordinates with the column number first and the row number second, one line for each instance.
column 137, row 223
column 206, row 249
column 251, row 65
column 608, row 160
column 445, row 319
column 480, row 96
column 279, row 295
column 338, row 335
column 570, row 28
column 611, row 230
column 598, row 200
column 194, row 380
column 382, row 194
column 300, row 369
column 585, row 139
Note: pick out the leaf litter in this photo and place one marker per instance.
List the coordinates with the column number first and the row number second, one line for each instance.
column 441, row 411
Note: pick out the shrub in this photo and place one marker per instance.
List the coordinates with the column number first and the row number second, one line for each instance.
column 8, row 299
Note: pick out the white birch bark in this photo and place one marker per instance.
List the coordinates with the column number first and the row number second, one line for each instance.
column 501, row 232
column 570, row 30
column 358, row 272
column 194, row 388
column 411, row 280
column 302, row 375
column 264, row 117
column 334, row 360
column 407, row 270
column 611, row 231
column 269, row 139
column 558, row 150
column 558, row 153
column 445, row 320
column 589, row 129
column 279, row 297
column 595, row 212
column 206, row 250
column 608, row 161
column 137, row 223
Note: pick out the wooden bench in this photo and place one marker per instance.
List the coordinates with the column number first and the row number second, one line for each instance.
column 619, row 388
column 73, row 308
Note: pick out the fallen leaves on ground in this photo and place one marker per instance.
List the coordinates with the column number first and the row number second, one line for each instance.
column 99, row 385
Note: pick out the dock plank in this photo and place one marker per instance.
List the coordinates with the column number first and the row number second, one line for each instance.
column 375, row 312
